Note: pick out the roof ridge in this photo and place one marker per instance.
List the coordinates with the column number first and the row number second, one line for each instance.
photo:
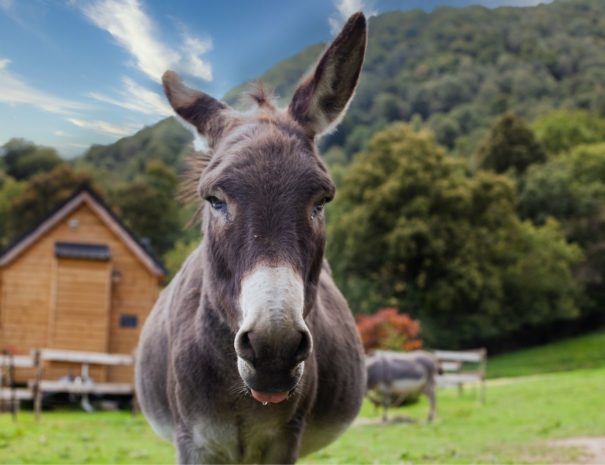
column 25, row 240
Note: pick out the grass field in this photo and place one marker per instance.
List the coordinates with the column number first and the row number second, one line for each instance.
column 515, row 425
column 586, row 351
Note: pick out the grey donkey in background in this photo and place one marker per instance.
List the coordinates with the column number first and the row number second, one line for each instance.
column 394, row 376
column 251, row 354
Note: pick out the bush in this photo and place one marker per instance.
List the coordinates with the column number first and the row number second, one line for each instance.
column 390, row 330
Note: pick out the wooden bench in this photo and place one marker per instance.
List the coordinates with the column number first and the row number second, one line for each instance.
column 83, row 384
column 454, row 365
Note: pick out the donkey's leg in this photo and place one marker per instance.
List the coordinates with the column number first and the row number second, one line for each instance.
column 429, row 391
column 286, row 447
column 375, row 400
column 187, row 452
column 386, row 401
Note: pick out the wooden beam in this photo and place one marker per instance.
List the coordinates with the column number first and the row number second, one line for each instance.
column 86, row 388
column 17, row 394
column 451, row 366
column 463, row 356
column 18, row 361
column 459, row 378
column 93, row 358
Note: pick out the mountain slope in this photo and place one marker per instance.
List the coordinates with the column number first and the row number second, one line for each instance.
column 282, row 77
column 167, row 141
column 453, row 70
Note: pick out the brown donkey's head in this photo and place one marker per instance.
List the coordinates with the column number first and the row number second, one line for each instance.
column 264, row 231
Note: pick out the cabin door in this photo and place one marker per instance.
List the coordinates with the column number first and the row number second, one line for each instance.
column 82, row 293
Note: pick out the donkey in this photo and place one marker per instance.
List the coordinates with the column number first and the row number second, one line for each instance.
column 396, row 375
column 251, row 353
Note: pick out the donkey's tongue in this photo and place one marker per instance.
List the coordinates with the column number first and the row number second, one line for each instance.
column 272, row 397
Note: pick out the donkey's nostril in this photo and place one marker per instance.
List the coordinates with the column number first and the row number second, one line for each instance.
column 244, row 348
column 304, row 347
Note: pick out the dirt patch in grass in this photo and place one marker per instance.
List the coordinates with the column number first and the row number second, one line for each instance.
column 393, row 420
column 593, row 448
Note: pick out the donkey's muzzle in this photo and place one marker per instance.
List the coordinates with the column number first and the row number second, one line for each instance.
column 273, row 351
column 273, row 340
column 271, row 364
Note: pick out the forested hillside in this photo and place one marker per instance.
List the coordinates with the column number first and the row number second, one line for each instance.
column 456, row 69
column 453, row 70
column 470, row 167
column 167, row 141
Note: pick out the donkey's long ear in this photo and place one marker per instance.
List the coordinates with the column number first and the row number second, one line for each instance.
column 207, row 114
column 322, row 97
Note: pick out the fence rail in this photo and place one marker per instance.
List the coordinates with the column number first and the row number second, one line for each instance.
column 454, row 365
column 37, row 387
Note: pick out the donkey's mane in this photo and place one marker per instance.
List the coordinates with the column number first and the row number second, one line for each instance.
column 195, row 164
column 260, row 95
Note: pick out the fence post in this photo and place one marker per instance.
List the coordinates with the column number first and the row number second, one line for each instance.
column 483, row 373
column 11, row 385
column 37, row 383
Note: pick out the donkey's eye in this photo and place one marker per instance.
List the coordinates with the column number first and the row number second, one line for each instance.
column 216, row 203
column 318, row 208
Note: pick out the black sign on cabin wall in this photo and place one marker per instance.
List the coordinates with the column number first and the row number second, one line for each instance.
column 128, row 321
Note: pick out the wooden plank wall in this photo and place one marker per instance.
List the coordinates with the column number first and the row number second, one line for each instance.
column 80, row 307
column 80, row 318
column 26, row 291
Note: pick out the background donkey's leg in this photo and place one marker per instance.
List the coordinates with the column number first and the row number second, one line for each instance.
column 386, row 400
column 429, row 391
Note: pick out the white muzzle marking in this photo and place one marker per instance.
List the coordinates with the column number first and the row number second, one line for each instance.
column 272, row 297
column 272, row 303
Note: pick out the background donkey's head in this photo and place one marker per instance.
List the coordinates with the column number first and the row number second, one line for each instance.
column 264, row 231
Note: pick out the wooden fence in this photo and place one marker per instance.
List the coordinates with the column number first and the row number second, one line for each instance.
column 82, row 384
column 456, row 371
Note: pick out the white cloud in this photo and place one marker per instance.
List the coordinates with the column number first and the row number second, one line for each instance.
column 14, row 90
column 60, row 133
column 520, row 3
column 6, row 4
column 104, row 127
column 192, row 63
column 135, row 97
column 72, row 145
column 135, row 31
column 345, row 8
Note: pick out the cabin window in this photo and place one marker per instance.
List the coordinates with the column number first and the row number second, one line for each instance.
column 128, row 321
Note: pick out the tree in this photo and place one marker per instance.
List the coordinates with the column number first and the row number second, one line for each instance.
column 10, row 190
column 23, row 159
column 511, row 145
column 148, row 205
column 571, row 188
column 445, row 245
column 42, row 193
column 559, row 131
column 176, row 256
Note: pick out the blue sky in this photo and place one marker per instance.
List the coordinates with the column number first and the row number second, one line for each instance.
column 80, row 72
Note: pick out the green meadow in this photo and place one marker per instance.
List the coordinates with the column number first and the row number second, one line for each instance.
column 523, row 414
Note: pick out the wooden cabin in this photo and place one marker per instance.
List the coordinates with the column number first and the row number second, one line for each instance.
column 80, row 280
